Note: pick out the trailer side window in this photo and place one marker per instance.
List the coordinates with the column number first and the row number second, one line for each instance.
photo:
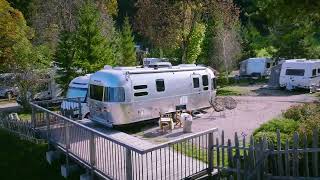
column 160, row 85
column 295, row 72
column 140, row 93
column 213, row 84
column 314, row 72
column 196, row 83
column 205, row 82
column 96, row 92
column 318, row 71
column 114, row 94
column 140, row 87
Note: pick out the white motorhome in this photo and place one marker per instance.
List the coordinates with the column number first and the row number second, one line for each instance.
column 123, row 95
column 256, row 67
column 299, row 73
column 78, row 88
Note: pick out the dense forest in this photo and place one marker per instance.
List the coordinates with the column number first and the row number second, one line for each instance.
column 81, row 36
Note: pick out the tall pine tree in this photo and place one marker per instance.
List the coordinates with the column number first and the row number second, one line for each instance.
column 64, row 58
column 128, row 57
column 92, row 49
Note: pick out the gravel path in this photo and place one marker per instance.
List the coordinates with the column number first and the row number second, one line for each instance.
column 250, row 113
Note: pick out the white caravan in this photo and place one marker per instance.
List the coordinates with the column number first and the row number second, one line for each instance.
column 256, row 67
column 78, row 87
column 300, row 73
column 124, row 95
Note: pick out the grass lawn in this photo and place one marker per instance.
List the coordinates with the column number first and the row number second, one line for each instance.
column 25, row 116
column 20, row 159
column 201, row 154
column 233, row 91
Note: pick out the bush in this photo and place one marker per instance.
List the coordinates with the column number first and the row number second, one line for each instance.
column 222, row 79
column 269, row 130
column 310, row 124
column 286, row 126
column 302, row 112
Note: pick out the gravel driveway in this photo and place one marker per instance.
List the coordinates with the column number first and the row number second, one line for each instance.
column 251, row 112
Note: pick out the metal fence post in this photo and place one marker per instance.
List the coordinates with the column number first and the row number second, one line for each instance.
column 128, row 164
column 210, row 153
column 92, row 153
column 67, row 141
column 80, row 109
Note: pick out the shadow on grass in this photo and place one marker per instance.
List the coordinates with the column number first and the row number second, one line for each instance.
column 21, row 159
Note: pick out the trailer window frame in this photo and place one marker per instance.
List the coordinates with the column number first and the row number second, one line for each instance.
column 295, row 72
column 213, row 83
column 93, row 92
column 205, row 82
column 114, row 94
column 139, row 94
column 138, row 87
column 314, row 72
column 160, row 85
column 196, row 82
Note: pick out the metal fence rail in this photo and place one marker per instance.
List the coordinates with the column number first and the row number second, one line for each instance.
column 114, row 159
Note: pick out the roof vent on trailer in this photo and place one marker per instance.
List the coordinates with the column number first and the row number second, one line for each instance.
column 187, row 65
column 107, row 67
column 157, row 65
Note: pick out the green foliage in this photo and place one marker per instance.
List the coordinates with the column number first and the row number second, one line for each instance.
column 268, row 130
column 195, row 42
column 286, row 126
column 302, row 112
column 92, row 50
column 128, row 53
column 65, row 58
column 14, row 35
column 223, row 79
column 299, row 118
column 21, row 159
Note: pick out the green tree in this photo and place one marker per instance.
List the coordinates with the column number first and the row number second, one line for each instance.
column 18, row 55
column 195, row 42
column 65, row 59
column 128, row 57
column 92, row 49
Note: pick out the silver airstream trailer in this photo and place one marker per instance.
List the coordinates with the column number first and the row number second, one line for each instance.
column 123, row 95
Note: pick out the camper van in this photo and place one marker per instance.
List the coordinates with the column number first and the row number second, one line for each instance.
column 299, row 73
column 78, row 88
column 124, row 95
column 256, row 67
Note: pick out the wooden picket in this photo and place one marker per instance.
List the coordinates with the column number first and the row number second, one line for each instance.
column 260, row 159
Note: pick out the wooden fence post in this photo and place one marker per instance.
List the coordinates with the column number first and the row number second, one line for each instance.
column 48, row 126
column 315, row 154
column 33, row 117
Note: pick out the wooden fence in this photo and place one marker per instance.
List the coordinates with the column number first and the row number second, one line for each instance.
column 261, row 159
column 24, row 129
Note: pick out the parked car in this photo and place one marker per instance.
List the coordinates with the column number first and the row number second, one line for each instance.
column 6, row 91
